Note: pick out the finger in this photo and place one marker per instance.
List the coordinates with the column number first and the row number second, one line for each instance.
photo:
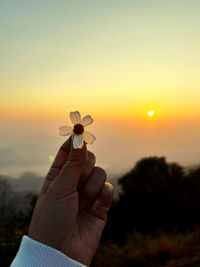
column 92, row 188
column 57, row 165
column 67, row 180
column 89, row 165
column 103, row 202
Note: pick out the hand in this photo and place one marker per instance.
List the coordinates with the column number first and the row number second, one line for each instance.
column 71, row 209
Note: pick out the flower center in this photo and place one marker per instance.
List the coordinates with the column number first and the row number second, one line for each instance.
column 78, row 129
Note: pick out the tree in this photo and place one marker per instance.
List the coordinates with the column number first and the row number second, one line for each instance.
column 5, row 191
column 149, row 198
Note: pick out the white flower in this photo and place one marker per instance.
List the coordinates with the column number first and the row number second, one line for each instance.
column 78, row 131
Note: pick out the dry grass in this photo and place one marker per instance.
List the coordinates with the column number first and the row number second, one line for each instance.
column 174, row 249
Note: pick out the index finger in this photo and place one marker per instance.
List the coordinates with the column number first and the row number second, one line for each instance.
column 57, row 165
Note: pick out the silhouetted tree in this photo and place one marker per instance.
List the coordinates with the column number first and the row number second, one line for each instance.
column 5, row 192
column 149, row 199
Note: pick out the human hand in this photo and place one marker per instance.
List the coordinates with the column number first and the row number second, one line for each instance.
column 72, row 207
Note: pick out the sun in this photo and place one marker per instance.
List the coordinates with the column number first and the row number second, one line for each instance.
column 151, row 113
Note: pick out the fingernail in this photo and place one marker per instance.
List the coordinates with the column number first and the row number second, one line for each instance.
column 77, row 142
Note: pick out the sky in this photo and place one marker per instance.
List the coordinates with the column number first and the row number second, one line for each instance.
column 112, row 59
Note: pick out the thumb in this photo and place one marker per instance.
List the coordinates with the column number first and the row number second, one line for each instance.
column 68, row 178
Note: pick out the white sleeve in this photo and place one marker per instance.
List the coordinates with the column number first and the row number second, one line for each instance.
column 36, row 254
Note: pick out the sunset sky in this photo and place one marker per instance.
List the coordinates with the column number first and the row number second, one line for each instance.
column 112, row 59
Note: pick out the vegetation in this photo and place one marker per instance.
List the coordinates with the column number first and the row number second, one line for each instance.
column 154, row 222
column 15, row 215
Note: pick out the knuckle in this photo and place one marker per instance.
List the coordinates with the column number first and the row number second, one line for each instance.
column 91, row 157
column 100, row 172
column 95, row 183
column 90, row 192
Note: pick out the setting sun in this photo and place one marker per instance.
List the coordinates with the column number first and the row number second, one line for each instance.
column 151, row 113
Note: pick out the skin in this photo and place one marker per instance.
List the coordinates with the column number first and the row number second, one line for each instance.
column 71, row 210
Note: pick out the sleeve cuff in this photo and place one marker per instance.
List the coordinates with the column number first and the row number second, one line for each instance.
column 33, row 253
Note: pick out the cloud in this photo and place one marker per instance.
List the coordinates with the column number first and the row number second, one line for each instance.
column 22, row 153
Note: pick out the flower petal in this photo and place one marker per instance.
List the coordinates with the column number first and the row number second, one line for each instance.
column 78, row 141
column 87, row 120
column 65, row 130
column 75, row 117
column 89, row 138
